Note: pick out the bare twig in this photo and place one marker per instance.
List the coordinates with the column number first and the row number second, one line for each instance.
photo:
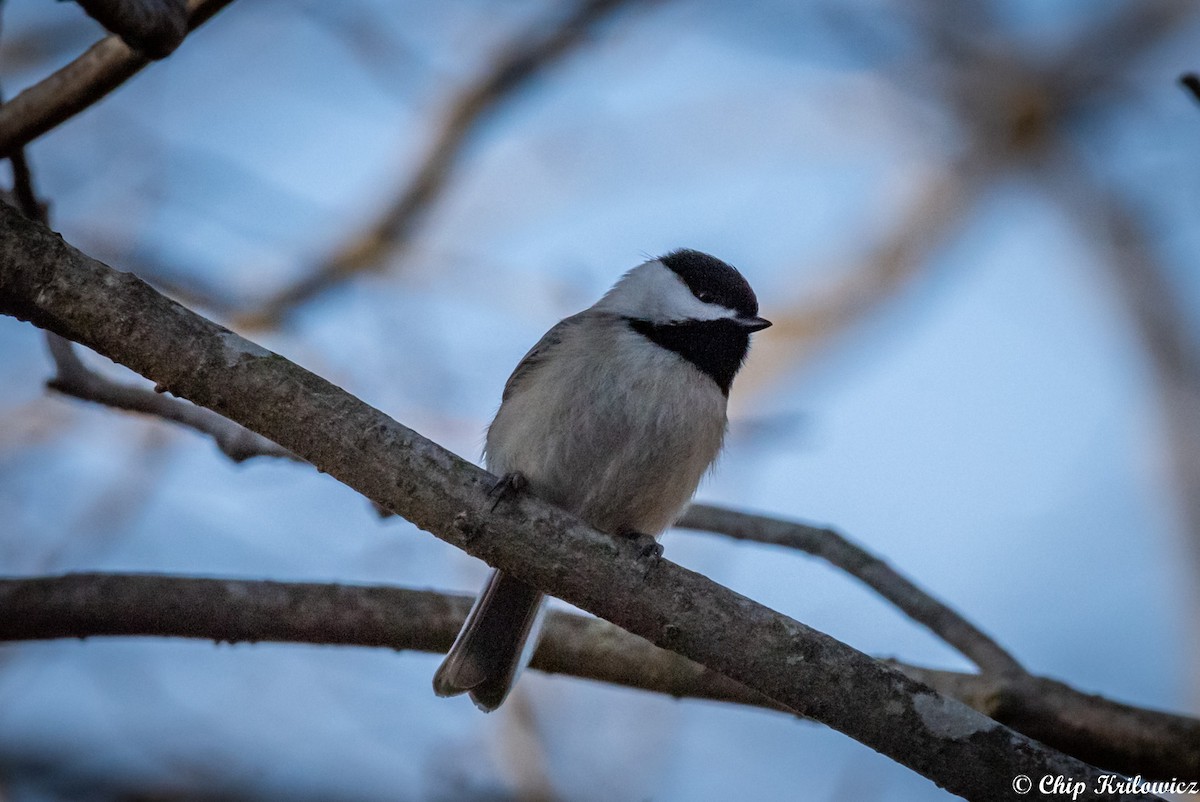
column 858, row 562
column 105, row 66
column 1113, row 735
column 23, row 191
column 520, row 62
column 76, row 379
column 49, row 283
column 154, row 28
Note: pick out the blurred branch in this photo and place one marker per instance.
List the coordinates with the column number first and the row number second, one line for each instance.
column 1147, row 291
column 1010, row 105
column 105, row 66
column 1119, row 737
column 936, row 213
column 154, row 28
column 1025, row 116
column 44, row 40
column 47, row 282
column 1106, row 52
column 928, row 221
column 835, row 549
column 520, row 62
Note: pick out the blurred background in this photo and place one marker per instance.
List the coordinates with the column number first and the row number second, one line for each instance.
column 973, row 222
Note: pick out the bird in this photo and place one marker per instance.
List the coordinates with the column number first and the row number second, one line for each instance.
column 615, row 415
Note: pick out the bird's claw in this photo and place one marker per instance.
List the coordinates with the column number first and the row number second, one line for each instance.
column 647, row 547
column 507, row 486
column 651, row 550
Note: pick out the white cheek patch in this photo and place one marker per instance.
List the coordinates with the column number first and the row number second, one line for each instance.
column 654, row 292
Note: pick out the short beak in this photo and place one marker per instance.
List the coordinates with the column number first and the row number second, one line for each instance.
column 753, row 323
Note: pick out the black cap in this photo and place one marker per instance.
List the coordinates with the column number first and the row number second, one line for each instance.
column 712, row 280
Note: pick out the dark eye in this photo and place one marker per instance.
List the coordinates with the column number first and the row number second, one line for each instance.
column 706, row 297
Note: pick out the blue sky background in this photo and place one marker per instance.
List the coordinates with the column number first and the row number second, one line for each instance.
column 990, row 426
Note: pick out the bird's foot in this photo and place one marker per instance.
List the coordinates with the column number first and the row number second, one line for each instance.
column 646, row 546
column 508, row 486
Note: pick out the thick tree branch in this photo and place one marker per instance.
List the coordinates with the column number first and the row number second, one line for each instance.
column 49, row 283
column 1120, row 737
column 105, row 66
column 858, row 562
column 520, row 62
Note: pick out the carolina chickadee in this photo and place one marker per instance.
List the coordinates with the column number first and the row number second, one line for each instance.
column 614, row 415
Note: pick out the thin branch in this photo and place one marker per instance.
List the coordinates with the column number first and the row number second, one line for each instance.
column 47, row 282
column 154, row 28
column 101, row 69
column 76, row 379
column 835, row 549
column 1120, row 737
column 23, row 191
column 521, row 62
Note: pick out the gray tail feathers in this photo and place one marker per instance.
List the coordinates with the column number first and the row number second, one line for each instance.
column 490, row 649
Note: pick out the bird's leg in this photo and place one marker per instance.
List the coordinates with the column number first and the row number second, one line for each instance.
column 507, row 486
column 646, row 545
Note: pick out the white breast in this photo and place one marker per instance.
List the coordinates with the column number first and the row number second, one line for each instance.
column 610, row 427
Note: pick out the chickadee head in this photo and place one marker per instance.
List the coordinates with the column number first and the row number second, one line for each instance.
column 683, row 286
column 692, row 304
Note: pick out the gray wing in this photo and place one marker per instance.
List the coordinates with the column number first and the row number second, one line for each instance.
column 538, row 353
